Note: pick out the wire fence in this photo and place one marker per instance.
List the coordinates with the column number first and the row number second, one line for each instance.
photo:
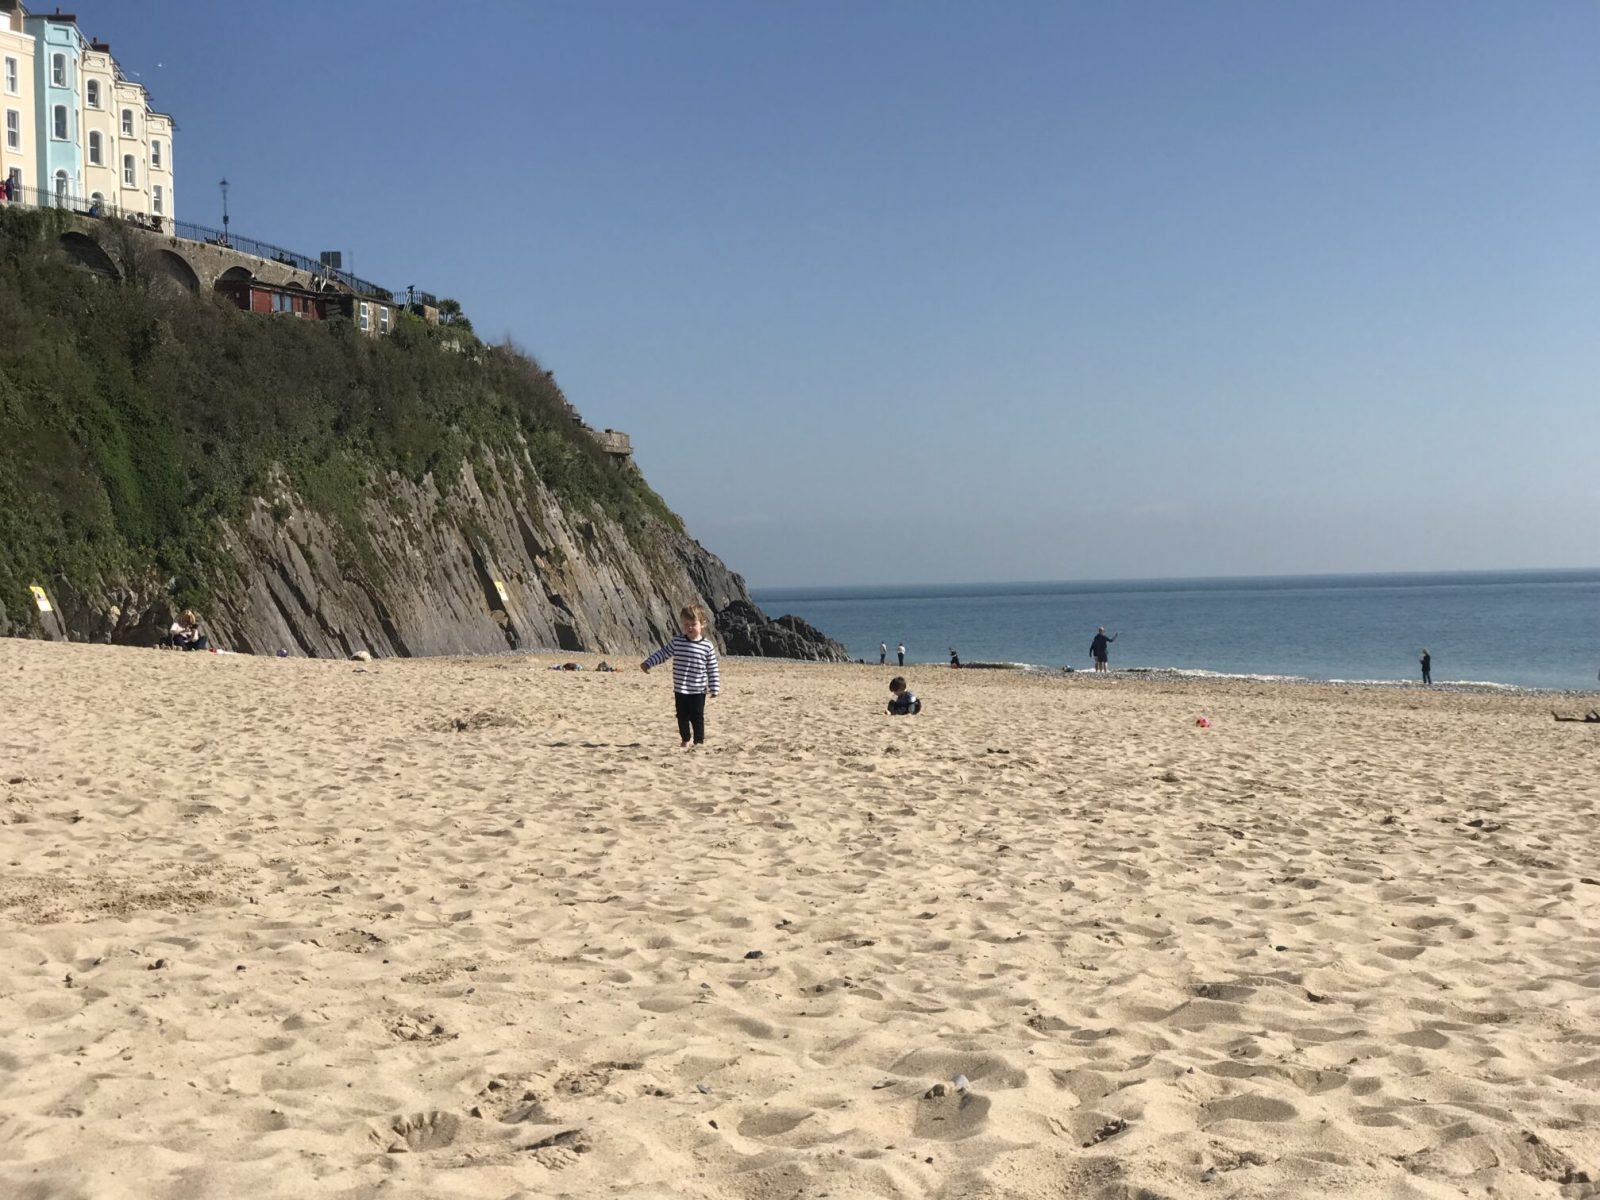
column 99, row 207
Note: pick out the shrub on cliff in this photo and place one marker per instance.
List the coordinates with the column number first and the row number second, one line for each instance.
column 132, row 419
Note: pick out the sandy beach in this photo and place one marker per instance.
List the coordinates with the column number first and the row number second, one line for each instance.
column 474, row 928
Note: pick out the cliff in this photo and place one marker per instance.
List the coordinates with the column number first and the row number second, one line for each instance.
column 312, row 490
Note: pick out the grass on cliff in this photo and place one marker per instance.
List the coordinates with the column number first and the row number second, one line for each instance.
column 133, row 419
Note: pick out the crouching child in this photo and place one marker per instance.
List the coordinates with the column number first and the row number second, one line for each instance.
column 904, row 703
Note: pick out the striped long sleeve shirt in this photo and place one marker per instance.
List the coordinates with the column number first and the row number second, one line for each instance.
column 694, row 665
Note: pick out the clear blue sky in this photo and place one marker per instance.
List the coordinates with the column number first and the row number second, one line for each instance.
column 928, row 291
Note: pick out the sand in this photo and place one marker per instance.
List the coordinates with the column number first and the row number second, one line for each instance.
column 473, row 928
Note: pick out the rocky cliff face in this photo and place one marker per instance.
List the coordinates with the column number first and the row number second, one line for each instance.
column 496, row 563
column 309, row 489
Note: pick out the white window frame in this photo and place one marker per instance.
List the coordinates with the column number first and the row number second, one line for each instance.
column 58, row 70
column 14, row 129
column 64, row 124
column 383, row 318
column 15, row 175
column 13, row 88
column 127, row 122
column 96, row 149
column 155, row 154
column 91, row 93
column 366, row 317
column 61, row 190
column 155, row 199
column 130, row 171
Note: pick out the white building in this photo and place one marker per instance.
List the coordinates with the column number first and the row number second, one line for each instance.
column 19, row 160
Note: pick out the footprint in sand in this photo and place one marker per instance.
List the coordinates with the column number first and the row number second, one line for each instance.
column 1251, row 1107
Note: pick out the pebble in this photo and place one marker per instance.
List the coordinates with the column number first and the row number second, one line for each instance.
column 882, row 1083
column 753, row 954
column 961, row 1083
column 934, row 1092
column 1208, row 1175
column 702, row 1089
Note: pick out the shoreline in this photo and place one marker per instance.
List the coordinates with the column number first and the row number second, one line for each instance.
column 1123, row 675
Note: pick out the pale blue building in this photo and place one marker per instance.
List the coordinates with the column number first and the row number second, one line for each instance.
column 58, row 55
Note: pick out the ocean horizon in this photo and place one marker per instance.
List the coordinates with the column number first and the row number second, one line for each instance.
column 1523, row 628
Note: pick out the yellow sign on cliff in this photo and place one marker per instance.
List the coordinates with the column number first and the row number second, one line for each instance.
column 39, row 598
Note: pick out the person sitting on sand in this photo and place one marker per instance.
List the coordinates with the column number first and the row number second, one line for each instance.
column 1099, row 649
column 905, row 703
column 185, row 632
column 955, row 659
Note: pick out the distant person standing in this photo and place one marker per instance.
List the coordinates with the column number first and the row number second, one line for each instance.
column 1100, row 649
column 1427, row 668
column 883, row 653
column 955, row 659
column 900, row 651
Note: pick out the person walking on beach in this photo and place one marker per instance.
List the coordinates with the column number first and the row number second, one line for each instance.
column 1427, row 668
column 883, row 653
column 694, row 672
column 1099, row 649
column 900, row 652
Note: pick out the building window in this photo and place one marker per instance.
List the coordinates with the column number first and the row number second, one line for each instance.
column 155, row 200
column 155, row 156
column 11, row 76
column 366, row 317
column 16, row 183
column 127, row 122
column 92, row 92
column 95, row 156
column 58, row 70
column 383, row 318
column 61, row 188
column 59, row 125
column 129, row 176
column 13, row 129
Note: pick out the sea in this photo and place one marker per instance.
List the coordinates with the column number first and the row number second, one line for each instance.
column 1511, row 629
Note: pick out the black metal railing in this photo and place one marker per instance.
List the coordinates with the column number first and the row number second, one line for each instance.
column 189, row 231
column 289, row 258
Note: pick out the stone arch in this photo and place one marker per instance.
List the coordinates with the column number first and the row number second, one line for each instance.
column 175, row 267
column 233, row 277
column 87, row 253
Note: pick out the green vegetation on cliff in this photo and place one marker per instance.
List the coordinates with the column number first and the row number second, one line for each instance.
column 134, row 420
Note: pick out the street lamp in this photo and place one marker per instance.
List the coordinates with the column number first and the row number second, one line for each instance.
column 224, row 186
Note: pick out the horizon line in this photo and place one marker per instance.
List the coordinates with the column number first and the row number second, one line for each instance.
column 1145, row 579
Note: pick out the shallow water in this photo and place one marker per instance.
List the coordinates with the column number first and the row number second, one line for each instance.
column 1520, row 628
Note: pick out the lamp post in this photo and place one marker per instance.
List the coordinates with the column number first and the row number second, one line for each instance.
column 224, row 186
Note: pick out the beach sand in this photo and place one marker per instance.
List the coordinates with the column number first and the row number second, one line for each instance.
column 473, row 928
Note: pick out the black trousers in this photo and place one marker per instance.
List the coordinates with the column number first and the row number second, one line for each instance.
column 691, row 716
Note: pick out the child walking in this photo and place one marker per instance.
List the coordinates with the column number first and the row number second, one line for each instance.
column 694, row 672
